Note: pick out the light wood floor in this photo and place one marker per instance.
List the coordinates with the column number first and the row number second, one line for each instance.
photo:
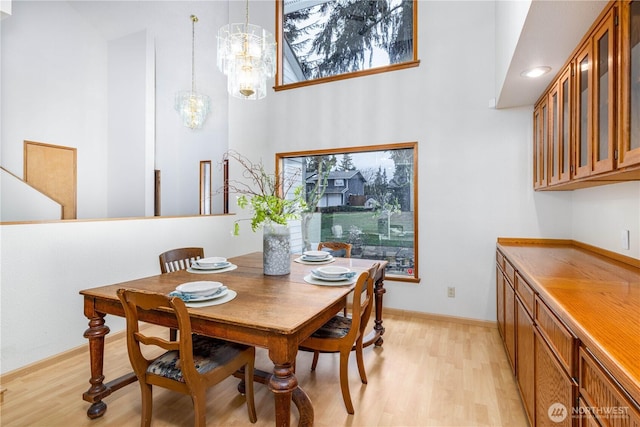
column 428, row 373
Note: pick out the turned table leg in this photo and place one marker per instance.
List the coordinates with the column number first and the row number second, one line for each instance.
column 95, row 334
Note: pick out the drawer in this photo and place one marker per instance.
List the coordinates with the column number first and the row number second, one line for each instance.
column 605, row 399
column 526, row 294
column 509, row 272
column 562, row 342
column 500, row 260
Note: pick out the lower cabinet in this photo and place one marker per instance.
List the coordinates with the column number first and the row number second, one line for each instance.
column 603, row 400
column 554, row 390
column 524, row 361
column 560, row 379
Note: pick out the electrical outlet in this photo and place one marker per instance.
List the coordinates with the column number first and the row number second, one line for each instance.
column 451, row 292
column 624, row 239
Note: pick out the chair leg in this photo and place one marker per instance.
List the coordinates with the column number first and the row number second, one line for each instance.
column 173, row 334
column 199, row 399
column 314, row 363
column 360, row 360
column 248, row 381
column 344, row 380
column 147, row 404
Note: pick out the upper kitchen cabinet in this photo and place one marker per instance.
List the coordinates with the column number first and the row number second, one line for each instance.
column 629, row 101
column 592, row 130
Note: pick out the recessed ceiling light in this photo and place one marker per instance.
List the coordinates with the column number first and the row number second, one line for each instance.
column 534, row 72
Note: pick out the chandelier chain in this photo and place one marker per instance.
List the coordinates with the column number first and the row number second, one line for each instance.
column 194, row 19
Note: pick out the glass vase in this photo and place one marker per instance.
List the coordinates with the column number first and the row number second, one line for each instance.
column 276, row 249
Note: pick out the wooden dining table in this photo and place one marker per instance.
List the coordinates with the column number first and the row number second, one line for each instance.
column 272, row 312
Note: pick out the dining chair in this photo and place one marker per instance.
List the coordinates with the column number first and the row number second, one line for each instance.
column 179, row 259
column 342, row 333
column 190, row 366
column 337, row 249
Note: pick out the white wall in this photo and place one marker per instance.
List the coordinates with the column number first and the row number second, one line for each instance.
column 55, row 90
column 44, row 266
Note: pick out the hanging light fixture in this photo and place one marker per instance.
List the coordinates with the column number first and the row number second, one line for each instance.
column 247, row 56
column 192, row 106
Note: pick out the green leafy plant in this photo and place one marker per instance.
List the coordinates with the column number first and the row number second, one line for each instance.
column 272, row 198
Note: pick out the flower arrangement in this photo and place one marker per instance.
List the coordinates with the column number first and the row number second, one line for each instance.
column 268, row 195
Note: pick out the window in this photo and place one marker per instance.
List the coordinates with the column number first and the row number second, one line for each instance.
column 325, row 40
column 375, row 208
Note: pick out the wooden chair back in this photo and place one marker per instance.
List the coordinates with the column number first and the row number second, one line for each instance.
column 179, row 259
column 336, row 246
column 134, row 300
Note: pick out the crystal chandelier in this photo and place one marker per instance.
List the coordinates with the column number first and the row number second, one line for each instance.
column 192, row 106
column 246, row 55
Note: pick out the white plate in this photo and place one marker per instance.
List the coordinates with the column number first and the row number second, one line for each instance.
column 300, row 260
column 218, row 266
column 329, row 279
column 229, row 295
column 207, row 297
column 315, row 259
column 333, row 271
column 312, row 280
column 198, row 288
column 211, row 260
column 209, row 271
column 316, row 254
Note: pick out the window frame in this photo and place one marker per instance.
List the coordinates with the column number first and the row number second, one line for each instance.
column 279, row 85
column 279, row 167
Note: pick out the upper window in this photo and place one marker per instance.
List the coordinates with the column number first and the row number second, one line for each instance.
column 325, row 40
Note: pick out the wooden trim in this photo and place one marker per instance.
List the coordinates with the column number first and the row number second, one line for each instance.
column 609, row 254
column 634, row 262
column 442, row 318
column 56, row 358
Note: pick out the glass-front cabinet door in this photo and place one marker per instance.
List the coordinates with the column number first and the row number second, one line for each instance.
column 583, row 103
column 560, row 129
column 629, row 135
column 603, row 95
column 566, row 91
column 540, row 144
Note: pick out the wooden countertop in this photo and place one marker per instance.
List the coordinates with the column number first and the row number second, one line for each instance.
column 595, row 293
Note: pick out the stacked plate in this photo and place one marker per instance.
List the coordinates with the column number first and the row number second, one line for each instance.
column 200, row 291
column 316, row 256
column 211, row 263
column 333, row 273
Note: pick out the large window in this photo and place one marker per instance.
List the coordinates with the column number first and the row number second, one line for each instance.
column 365, row 196
column 324, row 40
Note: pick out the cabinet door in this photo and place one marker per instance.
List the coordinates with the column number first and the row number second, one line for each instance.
column 603, row 95
column 583, row 103
column 554, row 134
column 525, row 375
column 629, row 101
column 510, row 323
column 554, row 390
column 540, row 144
column 565, row 134
column 500, row 300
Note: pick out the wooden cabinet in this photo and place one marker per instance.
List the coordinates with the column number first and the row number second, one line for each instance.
column 629, row 100
column 524, row 361
column 587, row 123
column 554, row 389
column 510, row 316
column 604, row 399
column 569, row 305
